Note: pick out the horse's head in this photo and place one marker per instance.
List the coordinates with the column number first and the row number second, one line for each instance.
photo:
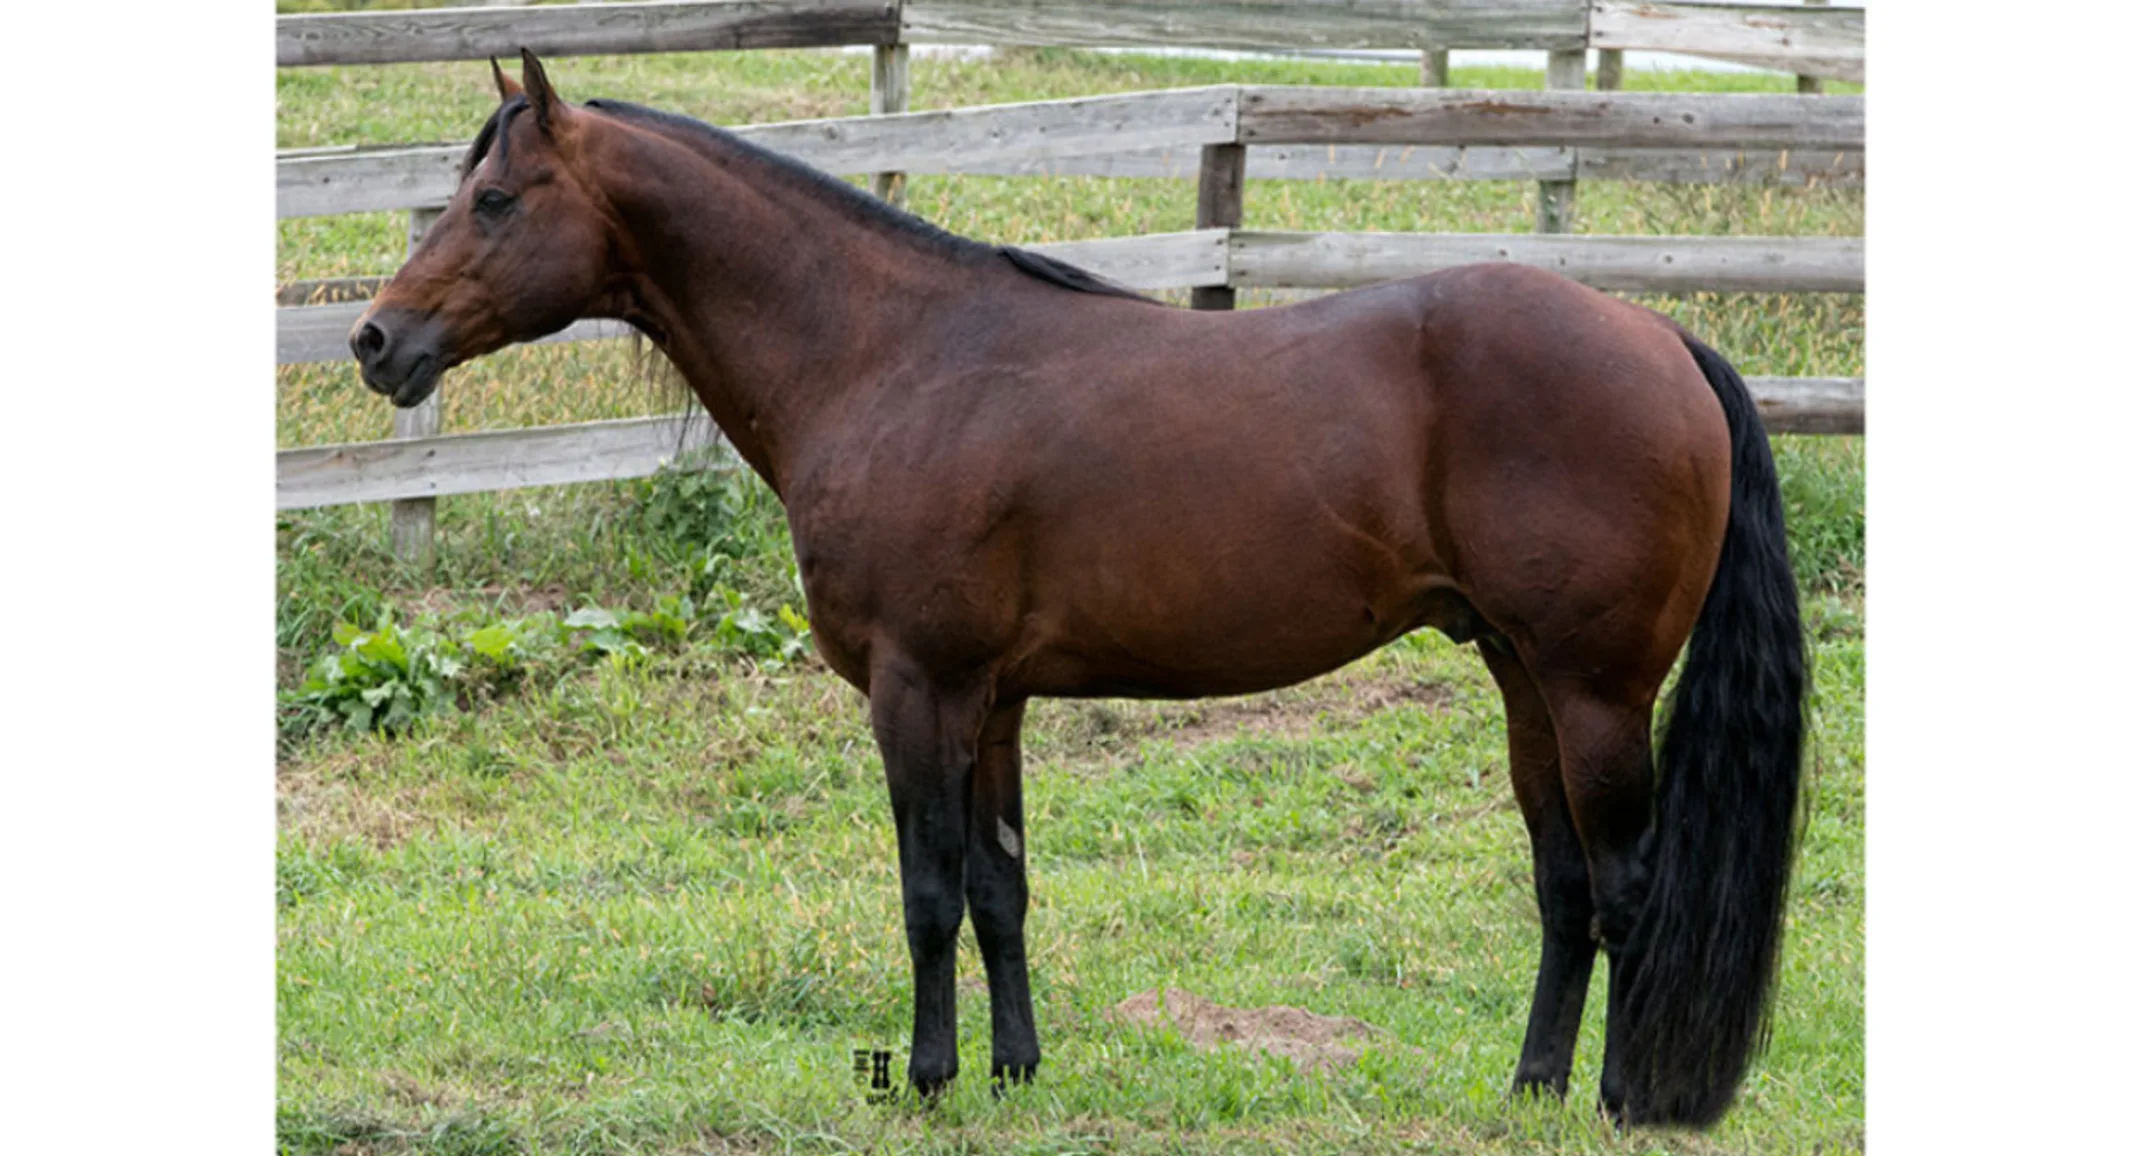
column 523, row 249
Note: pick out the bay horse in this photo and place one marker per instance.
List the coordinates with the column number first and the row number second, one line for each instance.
column 1008, row 478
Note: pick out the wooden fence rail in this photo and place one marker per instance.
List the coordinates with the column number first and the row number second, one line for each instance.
column 468, row 463
column 407, row 37
column 1630, row 264
column 1808, row 41
column 1303, row 132
column 491, row 460
column 423, row 177
column 1230, row 258
column 1286, row 114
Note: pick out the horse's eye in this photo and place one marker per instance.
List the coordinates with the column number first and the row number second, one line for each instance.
column 492, row 202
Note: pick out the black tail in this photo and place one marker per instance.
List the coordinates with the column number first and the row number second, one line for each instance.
column 1704, row 950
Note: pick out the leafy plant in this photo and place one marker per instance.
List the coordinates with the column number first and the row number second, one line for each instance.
column 629, row 633
column 725, row 513
column 384, row 678
column 593, row 630
column 782, row 636
column 509, row 652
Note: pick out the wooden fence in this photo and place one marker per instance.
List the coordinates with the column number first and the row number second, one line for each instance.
column 1814, row 41
column 1218, row 134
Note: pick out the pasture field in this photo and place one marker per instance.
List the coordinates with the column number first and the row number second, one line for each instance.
column 632, row 887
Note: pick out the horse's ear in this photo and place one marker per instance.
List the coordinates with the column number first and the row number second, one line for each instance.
column 541, row 97
column 508, row 88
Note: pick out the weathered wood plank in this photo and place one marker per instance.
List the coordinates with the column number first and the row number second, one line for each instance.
column 943, row 140
column 1218, row 206
column 1799, row 167
column 1272, row 114
column 366, row 181
column 1187, row 260
column 1250, row 24
column 935, row 141
column 1203, row 257
column 1810, row 405
column 1812, row 84
column 1795, row 167
column 416, row 177
column 1811, row 41
column 932, row 141
column 493, row 460
column 1430, row 134
column 1434, row 68
column 1155, row 261
column 1556, row 198
column 398, row 37
column 1637, row 264
column 888, row 91
column 314, row 333
column 412, row 522
column 419, row 177
column 636, row 447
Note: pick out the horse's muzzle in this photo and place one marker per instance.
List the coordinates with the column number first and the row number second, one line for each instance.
column 400, row 354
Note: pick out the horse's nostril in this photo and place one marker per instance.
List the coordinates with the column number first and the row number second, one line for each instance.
column 370, row 339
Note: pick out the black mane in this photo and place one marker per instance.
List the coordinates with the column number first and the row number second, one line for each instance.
column 850, row 200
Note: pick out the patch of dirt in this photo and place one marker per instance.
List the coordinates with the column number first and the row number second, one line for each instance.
column 408, row 1090
column 1311, row 1041
column 326, row 801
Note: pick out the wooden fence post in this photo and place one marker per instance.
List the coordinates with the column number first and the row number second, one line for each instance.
column 412, row 521
column 1434, row 68
column 1811, row 84
column 1609, row 65
column 887, row 94
column 1556, row 199
column 1218, row 206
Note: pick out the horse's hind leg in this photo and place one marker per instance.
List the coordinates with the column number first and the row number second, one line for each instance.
column 1606, row 772
column 1558, row 873
column 996, row 893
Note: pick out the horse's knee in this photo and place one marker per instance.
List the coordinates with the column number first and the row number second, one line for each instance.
column 933, row 914
column 1565, row 906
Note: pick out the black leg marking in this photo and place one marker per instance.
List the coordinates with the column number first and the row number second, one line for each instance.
column 1560, row 878
column 996, row 894
column 928, row 739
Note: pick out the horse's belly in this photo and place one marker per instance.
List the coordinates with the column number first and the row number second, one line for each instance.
column 1167, row 619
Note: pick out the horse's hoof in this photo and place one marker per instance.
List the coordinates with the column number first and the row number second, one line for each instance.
column 1540, row 1087
column 1002, row 1075
column 930, row 1087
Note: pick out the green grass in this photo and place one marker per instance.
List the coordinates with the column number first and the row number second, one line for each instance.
column 651, row 906
column 638, row 909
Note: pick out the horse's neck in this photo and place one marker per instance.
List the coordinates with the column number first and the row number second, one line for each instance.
column 778, row 303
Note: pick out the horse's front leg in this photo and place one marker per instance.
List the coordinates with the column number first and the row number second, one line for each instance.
column 929, row 737
column 996, row 891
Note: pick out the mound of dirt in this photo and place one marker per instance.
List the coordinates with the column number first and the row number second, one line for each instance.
column 1315, row 1042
